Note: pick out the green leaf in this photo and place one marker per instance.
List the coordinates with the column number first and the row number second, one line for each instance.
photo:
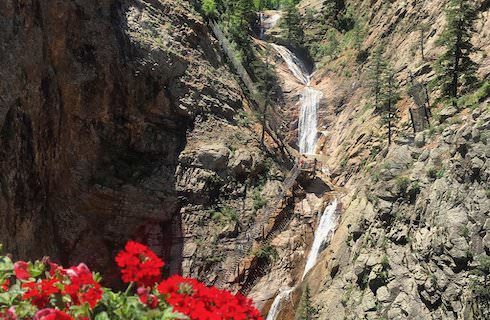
column 102, row 316
column 6, row 265
column 36, row 269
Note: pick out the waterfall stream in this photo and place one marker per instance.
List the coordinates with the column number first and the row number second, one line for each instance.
column 276, row 305
column 307, row 138
column 310, row 99
column 325, row 228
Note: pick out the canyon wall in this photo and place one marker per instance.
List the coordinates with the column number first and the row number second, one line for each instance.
column 119, row 120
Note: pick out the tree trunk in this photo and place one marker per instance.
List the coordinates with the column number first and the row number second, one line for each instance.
column 264, row 119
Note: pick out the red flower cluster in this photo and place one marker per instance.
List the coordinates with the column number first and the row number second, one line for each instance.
column 83, row 288
column 139, row 264
column 76, row 282
column 57, row 294
column 51, row 314
column 199, row 302
column 39, row 292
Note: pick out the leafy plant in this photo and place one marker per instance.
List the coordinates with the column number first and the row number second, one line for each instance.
column 44, row 290
column 258, row 200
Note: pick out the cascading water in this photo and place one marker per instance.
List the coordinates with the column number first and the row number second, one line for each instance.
column 324, row 229
column 276, row 305
column 307, row 138
column 310, row 99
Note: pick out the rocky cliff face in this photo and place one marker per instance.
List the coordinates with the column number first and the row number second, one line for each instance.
column 119, row 120
column 416, row 214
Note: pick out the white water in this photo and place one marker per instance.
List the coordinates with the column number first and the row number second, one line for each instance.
column 267, row 22
column 325, row 228
column 296, row 66
column 310, row 99
column 323, row 231
column 276, row 305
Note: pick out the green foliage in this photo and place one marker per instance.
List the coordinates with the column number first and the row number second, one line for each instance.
column 385, row 262
column 225, row 215
column 267, row 252
column 385, row 89
column 292, row 25
column 456, row 71
column 474, row 99
column 266, row 80
column 121, row 306
column 377, row 68
column 258, row 200
column 209, row 7
column 306, row 310
column 402, row 184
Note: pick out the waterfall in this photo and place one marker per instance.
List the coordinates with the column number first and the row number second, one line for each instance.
column 276, row 305
column 296, row 66
column 310, row 99
column 307, row 128
column 324, row 229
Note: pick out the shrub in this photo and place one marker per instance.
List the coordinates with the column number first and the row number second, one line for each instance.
column 259, row 200
column 432, row 173
column 267, row 252
column 402, row 184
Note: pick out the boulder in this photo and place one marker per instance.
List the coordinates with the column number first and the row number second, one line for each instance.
column 382, row 294
column 210, row 157
column 447, row 113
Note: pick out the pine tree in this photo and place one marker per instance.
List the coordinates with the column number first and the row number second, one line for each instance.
column 292, row 25
column 389, row 97
column 306, row 311
column 209, row 8
column 455, row 69
column 268, row 86
column 375, row 76
column 423, row 29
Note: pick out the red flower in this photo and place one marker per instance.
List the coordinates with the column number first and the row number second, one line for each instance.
column 139, row 264
column 199, row 302
column 21, row 270
column 146, row 298
column 40, row 292
column 83, row 288
column 51, row 314
column 5, row 285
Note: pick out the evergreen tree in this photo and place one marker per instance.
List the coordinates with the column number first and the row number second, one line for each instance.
column 455, row 69
column 292, row 25
column 423, row 29
column 375, row 76
column 209, row 7
column 389, row 97
column 306, row 311
column 268, row 86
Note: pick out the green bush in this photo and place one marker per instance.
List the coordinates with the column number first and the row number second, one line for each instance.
column 258, row 200
column 402, row 184
column 225, row 215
